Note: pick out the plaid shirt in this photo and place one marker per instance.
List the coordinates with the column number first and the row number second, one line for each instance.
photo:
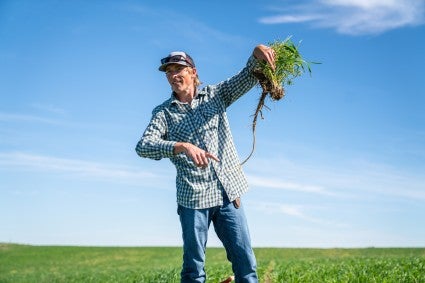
column 203, row 123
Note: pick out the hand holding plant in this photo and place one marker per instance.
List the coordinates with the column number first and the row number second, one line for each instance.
column 289, row 64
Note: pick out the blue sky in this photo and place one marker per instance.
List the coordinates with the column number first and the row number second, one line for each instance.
column 339, row 162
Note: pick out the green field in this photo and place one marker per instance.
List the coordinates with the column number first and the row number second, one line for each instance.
column 22, row 263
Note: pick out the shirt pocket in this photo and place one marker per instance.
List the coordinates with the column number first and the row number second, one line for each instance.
column 182, row 131
column 211, row 113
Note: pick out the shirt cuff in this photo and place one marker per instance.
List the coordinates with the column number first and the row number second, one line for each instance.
column 252, row 63
column 167, row 148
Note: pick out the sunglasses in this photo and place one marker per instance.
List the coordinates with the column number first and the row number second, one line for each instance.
column 176, row 59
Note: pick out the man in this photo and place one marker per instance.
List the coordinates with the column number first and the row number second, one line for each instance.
column 192, row 130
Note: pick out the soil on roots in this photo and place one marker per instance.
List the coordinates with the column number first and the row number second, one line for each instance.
column 275, row 91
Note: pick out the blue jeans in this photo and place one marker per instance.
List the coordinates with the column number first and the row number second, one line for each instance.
column 231, row 227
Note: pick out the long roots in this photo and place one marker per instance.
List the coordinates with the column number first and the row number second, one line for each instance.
column 275, row 91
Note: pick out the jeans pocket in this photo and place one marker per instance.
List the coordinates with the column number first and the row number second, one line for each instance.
column 237, row 203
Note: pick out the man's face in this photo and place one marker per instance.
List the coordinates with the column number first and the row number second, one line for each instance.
column 181, row 78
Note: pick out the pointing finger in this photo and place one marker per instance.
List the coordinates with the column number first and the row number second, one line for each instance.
column 212, row 156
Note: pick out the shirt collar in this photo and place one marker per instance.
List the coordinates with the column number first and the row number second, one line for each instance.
column 174, row 99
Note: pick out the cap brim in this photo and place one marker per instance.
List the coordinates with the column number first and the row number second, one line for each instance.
column 164, row 66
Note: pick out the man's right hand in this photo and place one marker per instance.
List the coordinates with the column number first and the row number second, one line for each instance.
column 199, row 156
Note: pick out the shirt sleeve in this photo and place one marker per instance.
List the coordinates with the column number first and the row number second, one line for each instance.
column 233, row 88
column 154, row 143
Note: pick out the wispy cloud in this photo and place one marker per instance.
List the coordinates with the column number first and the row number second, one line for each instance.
column 287, row 209
column 55, row 117
column 292, row 210
column 352, row 17
column 276, row 183
column 13, row 117
column 50, row 108
column 181, row 25
column 42, row 110
column 353, row 179
column 76, row 167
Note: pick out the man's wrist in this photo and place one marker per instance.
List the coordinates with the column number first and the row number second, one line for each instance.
column 180, row 147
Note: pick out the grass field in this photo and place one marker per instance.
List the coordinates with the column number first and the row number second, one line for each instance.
column 22, row 263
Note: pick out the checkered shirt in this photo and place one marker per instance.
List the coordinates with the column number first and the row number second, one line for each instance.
column 203, row 123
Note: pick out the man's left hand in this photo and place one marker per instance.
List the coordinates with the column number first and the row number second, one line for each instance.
column 266, row 53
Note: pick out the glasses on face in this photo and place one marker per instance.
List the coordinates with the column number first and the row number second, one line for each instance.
column 175, row 59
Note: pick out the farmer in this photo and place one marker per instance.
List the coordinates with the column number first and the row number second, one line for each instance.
column 191, row 129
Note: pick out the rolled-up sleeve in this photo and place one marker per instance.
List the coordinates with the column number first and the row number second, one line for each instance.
column 154, row 143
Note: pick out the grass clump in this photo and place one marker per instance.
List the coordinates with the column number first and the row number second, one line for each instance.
column 289, row 64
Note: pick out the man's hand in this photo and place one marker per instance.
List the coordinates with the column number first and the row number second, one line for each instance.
column 199, row 156
column 263, row 52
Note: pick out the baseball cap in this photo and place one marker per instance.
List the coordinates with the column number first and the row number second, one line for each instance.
column 176, row 57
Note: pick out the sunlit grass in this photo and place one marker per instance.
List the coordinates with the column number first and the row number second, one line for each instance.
column 20, row 263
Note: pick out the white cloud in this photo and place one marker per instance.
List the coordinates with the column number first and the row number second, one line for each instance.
column 273, row 208
column 182, row 25
column 275, row 183
column 82, row 168
column 50, row 108
column 353, row 17
column 11, row 117
column 352, row 179
column 292, row 210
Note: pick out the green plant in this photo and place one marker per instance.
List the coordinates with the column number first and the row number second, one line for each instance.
column 289, row 64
